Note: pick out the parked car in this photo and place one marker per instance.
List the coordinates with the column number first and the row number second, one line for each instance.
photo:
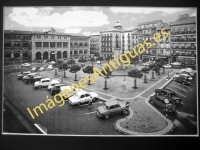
column 41, row 69
column 176, row 63
column 112, row 108
column 172, row 97
column 145, row 69
column 50, row 86
column 82, row 97
column 189, row 77
column 183, row 80
column 163, row 103
column 51, row 62
column 43, row 82
column 64, row 91
column 26, row 65
column 167, row 66
column 28, row 76
column 33, row 79
column 188, row 71
column 56, row 89
column 33, row 69
column 22, row 74
column 50, row 67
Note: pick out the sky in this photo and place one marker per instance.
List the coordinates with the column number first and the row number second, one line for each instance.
column 87, row 20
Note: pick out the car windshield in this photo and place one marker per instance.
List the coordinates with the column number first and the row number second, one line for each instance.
column 105, row 106
column 172, row 94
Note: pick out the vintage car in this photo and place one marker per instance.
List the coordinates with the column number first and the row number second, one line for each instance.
column 173, row 98
column 56, row 88
column 82, row 97
column 41, row 69
column 189, row 77
column 26, row 65
column 33, row 79
column 176, row 63
column 50, row 86
column 163, row 102
column 113, row 107
column 183, row 80
column 50, row 67
column 29, row 76
column 167, row 66
column 43, row 82
column 22, row 74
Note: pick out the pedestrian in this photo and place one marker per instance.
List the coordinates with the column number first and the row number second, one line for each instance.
column 90, row 104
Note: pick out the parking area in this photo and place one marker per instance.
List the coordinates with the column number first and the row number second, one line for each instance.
column 64, row 119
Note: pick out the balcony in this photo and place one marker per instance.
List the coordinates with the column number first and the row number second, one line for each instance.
column 188, row 47
column 193, row 47
column 192, row 39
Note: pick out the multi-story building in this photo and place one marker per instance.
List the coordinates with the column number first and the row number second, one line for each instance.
column 146, row 30
column 126, row 40
column 183, row 40
column 17, row 44
column 111, row 41
column 95, row 42
column 50, row 45
column 79, row 46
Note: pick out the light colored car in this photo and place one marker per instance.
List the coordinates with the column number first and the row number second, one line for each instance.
column 98, row 62
column 33, row 69
column 53, row 83
column 176, row 63
column 22, row 74
column 26, row 65
column 182, row 75
column 43, row 82
column 41, row 69
column 188, row 71
column 112, row 108
column 29, row 75
column 64, row 91
column 50, row 67
column 52, row 62
column 167, row 66
column 82, row 97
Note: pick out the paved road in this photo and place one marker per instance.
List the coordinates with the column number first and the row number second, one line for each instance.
column 58, row 120
column 186, row 116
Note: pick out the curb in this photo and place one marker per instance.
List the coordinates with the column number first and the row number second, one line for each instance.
column 170, row 126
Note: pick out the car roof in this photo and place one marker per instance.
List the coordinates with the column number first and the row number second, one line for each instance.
column 111, row 103
column 64, row 87
column 45, row 79
column 168, row 91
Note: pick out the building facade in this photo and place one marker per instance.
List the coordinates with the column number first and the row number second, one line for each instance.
column 17, row 44
column 79, row 46
column 126, row 40
column 111, row 41
column 95, row 42
column 50, row 45
column 183, row 40
column 146, row 30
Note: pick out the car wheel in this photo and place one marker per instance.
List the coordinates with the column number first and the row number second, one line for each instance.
column 125, row 112
column 78, row 104
column 106, row 116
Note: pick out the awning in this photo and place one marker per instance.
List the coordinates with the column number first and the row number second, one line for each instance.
column 186, row 57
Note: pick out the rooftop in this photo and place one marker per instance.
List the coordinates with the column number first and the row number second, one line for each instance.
column 151, row 22
column 189, row 20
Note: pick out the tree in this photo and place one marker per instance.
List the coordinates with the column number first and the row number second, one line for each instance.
column 108, row 58
column 106, row 76
column 71, row 61
column 74, row 69
column 135, row 73
column 88, row 70
column 92, row 60
column 64, row 66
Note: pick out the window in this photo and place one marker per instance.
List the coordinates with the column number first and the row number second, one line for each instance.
column 75, row 52
column 52, row 44
column 82, row 96
column 52, row 37
column 45, row 44
column 46, row 37
column 85, row 44
column 25, row 44
column 17, row 45
column 7, row 44
column 59, row 44
column 38, row 37
column 87, row 95
column 85, row 51
column 65, row 44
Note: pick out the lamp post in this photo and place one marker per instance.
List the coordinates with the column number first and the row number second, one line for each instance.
column 169, row 64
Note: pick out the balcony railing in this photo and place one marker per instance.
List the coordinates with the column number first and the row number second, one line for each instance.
column 192, row 39
column 193, row 47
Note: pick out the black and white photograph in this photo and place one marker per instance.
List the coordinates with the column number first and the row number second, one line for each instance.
column 100, row 71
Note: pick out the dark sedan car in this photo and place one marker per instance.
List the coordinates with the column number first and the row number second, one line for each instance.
column 170, row 94
column 56, row 88
column 163, row 103
column 182, row 80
